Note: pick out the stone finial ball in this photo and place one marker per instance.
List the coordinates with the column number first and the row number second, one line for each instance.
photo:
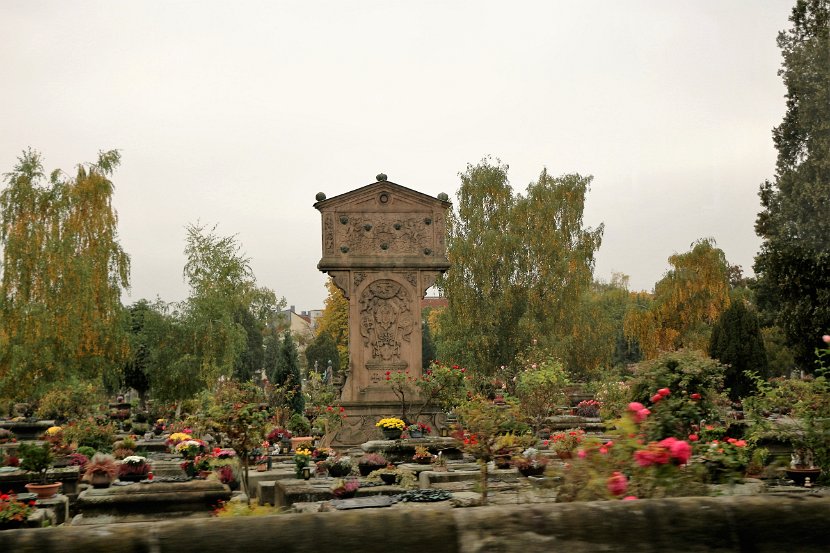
column 320, row 196
column 381, row 177
column 443, row 197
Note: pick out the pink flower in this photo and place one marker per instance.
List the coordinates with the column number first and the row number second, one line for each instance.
column 693, row 437
column 641, row 415
column 635, row 406
column 582, row 453
column 617, row 484
column 629, row 498
column 664, row 392
column 680, row 451
column 656, row 397
column 826, row 338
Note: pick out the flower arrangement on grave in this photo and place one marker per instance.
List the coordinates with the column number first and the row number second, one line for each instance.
column 565, row 443
column 588, row 408
column 391, row 423
column 336, row 465
column 227, row 475
column 422, row 455
column 54, row 437
column 371, row 462
column 176, row 438
column 7, row 436
column 322, row 453
column 342, row 488
column 101, row 469
column 279, row 434
column 190, row 448
column 78, row 460
column 392, row 475
column 159, row 427
column 13, row 511
column 302, row 459
column 134, row 466
column 530, row 461
column 418, row 428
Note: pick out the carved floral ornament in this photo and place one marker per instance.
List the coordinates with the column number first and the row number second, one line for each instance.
column 370, row 234
column 386, row 322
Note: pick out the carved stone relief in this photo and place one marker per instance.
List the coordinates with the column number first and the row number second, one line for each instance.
column 440, row 231
column 358, row 278
column 386, row 322
column 328, row 234
column 341, row 280
column 398, row 234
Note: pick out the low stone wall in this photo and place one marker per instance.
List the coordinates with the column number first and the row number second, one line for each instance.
column 759, row 524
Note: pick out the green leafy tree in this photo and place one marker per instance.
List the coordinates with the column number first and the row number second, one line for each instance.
column 428, row 353
column 63, row 272
column 250, row 360
column 737, row 342
column 287, row 373
column 519, row 265
column 685, row 304
column 135, row 371
column 793, row 265
column 335, row 321
column 321, row 352
column 219, row 316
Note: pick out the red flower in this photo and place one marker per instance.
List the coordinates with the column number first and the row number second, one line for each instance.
column 693, row 437
column 656, row 397
column 695, row 396
column 629, row 498
column 664, row 392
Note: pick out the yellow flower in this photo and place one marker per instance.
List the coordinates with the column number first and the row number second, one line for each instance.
column 52, row 430
column 391, row 422
column 179, row 437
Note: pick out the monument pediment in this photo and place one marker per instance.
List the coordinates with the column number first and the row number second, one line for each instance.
column 382, row 225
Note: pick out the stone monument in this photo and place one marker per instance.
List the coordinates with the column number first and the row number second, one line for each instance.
column 384, row 245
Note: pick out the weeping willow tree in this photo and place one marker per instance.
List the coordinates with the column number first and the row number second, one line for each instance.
column 62, row 275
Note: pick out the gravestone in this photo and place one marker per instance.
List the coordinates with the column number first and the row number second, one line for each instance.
column 383, row 245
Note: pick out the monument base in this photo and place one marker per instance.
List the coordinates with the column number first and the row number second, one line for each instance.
column 359, row 423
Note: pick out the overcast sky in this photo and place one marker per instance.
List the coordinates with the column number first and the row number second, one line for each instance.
column 238, row 113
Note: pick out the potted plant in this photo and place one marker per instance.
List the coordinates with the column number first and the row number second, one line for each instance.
column 371, row 462
column 422, row 455
column 392, row 427
column 564, row 443
column 530, row 462
column 283, row 436
column 302, row 459
column 418, row 430
column 37, row 460
column 133, row 468
column 101, row 470
column 337, row 466
column 439, row 463
column 345, row 488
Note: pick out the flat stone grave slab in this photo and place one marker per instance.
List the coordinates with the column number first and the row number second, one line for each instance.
column 149, row 501
column 364, row 502
column 288, row 492
column 27, row 430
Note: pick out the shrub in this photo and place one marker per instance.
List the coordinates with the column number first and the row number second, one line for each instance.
column 88, row 432
column 74, row 400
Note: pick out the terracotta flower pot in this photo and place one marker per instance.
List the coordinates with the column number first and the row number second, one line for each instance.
column 44, row 491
